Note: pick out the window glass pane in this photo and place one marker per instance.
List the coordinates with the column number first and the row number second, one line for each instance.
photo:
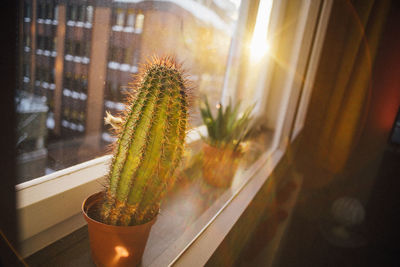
column 202, row 42
column 89, row 14
column 120, row 17
column 26, row 70
column 139, row 21
column 61, row 113
column 130, row 21
column 199, row 34
column 27, row 9
column 55, row 12
column 69, row 12
column 49, row 11
column 27, row 40
column 39, row 10
column 74, row 10
column 81, row 12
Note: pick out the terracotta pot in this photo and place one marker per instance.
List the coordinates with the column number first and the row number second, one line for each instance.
column 114, row 245
column 219, row 165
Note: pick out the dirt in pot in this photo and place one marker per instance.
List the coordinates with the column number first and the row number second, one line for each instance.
column 93, row 211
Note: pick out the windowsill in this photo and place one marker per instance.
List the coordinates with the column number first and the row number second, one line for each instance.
column 41, row 221
column 191, row 210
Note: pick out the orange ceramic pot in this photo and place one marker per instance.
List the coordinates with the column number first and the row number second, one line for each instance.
column 219, row 165
column 114, row 245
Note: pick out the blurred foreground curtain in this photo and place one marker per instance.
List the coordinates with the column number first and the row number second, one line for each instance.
column 8, row 71
column 342, row 90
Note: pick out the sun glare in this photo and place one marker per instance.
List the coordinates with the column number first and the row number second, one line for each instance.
column 259, row 45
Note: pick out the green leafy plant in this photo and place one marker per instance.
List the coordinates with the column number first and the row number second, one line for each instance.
column 229, row 128
column 149, row 147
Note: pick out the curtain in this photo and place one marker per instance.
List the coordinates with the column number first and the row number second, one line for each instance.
column 342, row 90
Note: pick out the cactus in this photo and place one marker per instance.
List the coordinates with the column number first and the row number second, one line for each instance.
column 149, row 146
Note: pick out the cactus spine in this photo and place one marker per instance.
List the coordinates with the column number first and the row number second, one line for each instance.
column 149, row 147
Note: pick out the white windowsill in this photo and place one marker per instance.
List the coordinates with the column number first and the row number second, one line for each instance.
column 196, row 244
column 41, row 220
column 201, row 248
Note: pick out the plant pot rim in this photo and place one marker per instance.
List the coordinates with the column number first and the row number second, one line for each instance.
column 91, row 199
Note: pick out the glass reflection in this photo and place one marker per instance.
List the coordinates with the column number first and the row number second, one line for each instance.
column 63, row 95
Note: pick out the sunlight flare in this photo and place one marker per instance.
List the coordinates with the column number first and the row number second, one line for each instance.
column 259, row 45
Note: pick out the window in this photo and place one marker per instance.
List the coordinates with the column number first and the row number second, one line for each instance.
column 128, row 54
column 55, row 12
column 27, row 40
column 211, row 40
column 77, row 48
column 130, row 21
column 120, row 17
column 84, row 83
column 40, row 11
column 53, row 44
column 139, row 22
column 81, row 13
column 38, row 74
column 49, row 11
column 26, row 70
column 27, row 10
column 72, row 12
column 39, row 41
column 113, row 53
column 89, row 14
column 68, row 47
column 69, row 12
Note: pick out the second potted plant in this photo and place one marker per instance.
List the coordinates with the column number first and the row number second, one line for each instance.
column 222, row 148
column 148, row 149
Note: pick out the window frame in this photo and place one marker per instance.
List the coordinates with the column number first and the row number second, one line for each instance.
column 311, row 72
column 203, row 247
column 42, row 222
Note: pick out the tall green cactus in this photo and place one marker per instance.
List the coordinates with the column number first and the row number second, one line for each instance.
column 149, row 146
